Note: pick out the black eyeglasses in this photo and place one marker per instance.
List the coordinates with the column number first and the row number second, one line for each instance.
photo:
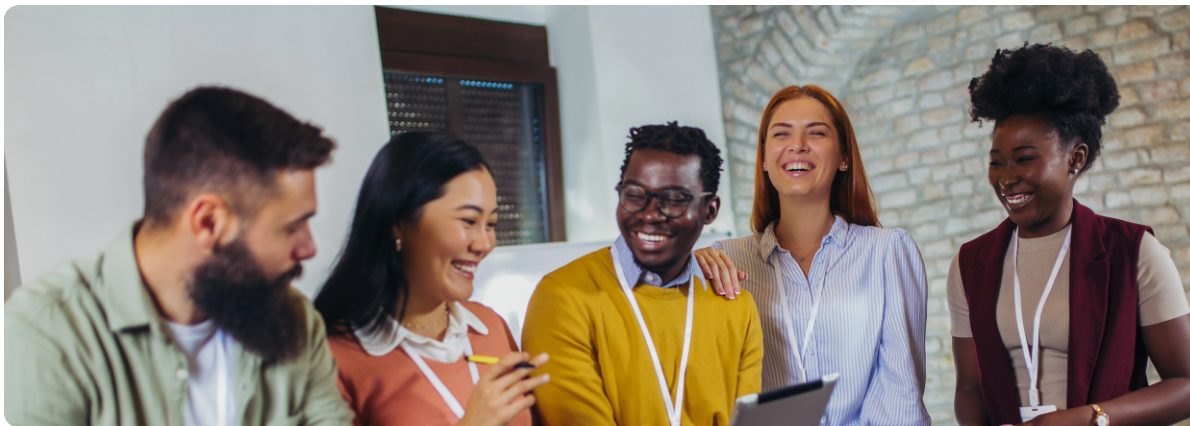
column 672, row 202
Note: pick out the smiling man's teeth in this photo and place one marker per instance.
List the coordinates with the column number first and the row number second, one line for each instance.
column 1018, row 199
column 652, row 238
column 465, row 268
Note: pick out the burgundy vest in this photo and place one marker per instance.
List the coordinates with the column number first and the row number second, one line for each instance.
column 1106, row 357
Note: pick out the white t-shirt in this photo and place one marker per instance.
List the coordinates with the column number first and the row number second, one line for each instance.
column 209, row 356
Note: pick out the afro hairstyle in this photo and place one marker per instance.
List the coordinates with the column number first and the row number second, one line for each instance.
column 1073, row 92
column 681, row 140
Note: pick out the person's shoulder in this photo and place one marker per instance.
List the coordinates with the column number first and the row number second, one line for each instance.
column 869, row 233
column 739, row 244
column 875, row 236
column 56, row 293
column 1133, row 232
column 580, row 275
column 53, row 311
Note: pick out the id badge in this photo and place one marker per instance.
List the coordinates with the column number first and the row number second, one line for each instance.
column 1028, row 413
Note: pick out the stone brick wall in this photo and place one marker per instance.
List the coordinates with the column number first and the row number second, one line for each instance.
column 902, row 73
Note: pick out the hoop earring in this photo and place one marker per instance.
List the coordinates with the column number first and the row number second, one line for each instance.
column 398, row 244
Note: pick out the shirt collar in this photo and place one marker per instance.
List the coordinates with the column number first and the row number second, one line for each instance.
column 384, row 341
column 123, row 292
column 633, row 271
column 837, row 234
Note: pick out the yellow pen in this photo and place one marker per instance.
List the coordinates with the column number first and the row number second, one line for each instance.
column 484, row 359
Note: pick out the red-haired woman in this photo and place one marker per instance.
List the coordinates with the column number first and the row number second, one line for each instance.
column 836, row 292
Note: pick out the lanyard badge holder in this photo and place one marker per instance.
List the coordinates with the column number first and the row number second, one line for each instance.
column 799, row 351
column 673, row 407
column 1033, row 360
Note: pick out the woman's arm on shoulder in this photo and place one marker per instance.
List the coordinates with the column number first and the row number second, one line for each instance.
column 895, row 396
column 720, row 270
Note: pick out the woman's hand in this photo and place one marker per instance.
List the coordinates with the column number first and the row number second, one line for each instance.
column 503, row 391
column 720, row 271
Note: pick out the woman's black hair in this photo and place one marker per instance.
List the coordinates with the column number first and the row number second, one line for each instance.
column 1073, row 92
column 367, row 288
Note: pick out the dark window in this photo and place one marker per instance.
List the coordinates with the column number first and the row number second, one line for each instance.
column 490, row 84
column 503, row 119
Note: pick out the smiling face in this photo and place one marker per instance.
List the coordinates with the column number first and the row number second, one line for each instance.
column 1031, row 172
column 659, row 243
column 801, row 152
column 454, row 233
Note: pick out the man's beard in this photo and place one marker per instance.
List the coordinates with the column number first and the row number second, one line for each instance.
column 243, row 301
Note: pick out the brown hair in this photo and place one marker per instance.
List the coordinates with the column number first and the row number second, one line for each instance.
column 851, row 197
column 226, row 141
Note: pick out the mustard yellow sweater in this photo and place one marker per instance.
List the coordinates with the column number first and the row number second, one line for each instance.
column 600, row 370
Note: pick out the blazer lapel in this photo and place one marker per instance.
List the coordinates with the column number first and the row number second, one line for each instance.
column 1089, row 280
column 983, row 292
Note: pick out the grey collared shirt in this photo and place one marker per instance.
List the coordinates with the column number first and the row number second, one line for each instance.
column 84, row 345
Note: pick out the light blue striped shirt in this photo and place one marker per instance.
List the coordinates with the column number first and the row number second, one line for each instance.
column 871, row 321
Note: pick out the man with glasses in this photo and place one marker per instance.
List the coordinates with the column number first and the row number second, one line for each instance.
column 635, row 336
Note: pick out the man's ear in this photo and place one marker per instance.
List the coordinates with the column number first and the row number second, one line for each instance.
column 712, row 210
column 210, row 221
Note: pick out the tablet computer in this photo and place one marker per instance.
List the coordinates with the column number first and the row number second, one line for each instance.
column 798, row 405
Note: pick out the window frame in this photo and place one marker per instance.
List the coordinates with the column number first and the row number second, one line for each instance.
column 452, row 46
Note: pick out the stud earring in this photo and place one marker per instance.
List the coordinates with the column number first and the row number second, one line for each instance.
column 398, row 244
column 844, row 168
column 1074, row 172
column 765, row 167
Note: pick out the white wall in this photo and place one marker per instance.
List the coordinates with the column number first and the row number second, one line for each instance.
column 520, row 14
column 84, row 84
column 620, row 67
column 648, row 65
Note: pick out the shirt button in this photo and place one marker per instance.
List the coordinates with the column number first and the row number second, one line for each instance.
column 182, row 374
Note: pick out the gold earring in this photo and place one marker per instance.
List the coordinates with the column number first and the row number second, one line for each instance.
column 398, row 244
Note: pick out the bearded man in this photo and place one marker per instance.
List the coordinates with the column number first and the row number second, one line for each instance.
column 188, row 318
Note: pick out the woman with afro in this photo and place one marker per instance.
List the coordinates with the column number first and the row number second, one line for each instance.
column 1056, row 312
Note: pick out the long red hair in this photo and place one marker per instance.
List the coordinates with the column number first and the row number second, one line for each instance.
column 851, row 197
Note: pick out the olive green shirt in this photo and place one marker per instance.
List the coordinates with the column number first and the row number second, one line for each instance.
column 84, row 345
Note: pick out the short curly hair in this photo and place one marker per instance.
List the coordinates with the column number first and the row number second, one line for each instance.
column 681, row 140
column 1073, row 92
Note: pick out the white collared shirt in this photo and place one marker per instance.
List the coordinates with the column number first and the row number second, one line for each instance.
column 447, row 351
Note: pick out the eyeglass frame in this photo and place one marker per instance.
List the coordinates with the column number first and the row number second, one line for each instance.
column 651, row 195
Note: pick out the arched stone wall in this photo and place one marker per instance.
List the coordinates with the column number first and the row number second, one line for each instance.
column 902, row 73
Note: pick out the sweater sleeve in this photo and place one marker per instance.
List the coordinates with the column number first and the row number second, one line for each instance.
column 559, row 323
column 895, row 394
column 752, row 358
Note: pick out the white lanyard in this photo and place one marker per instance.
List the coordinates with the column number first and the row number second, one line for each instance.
column 672, row 407
column 798, row 351
column 221, row 372
column 1032, row 361
column 438, row 385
